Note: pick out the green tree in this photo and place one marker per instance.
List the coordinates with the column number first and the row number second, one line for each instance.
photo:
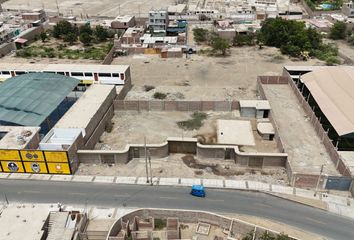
column 70, row 38
column 43, row 36
column 85, row 38
column 62, row 28
column 244, row 39
column 86, row 29
column 200, row 34
column 220, row 45
column 338, row 31
column 101, row 33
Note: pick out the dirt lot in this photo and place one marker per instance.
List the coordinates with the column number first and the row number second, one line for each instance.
column 110, row 8
column 306, row 152
column 175, row 166
column 206, row 78
column 130, row 127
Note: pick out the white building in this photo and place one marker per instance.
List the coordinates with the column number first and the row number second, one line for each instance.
column 158, row 20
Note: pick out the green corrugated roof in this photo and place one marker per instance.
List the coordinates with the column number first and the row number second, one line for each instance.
column 29, row 99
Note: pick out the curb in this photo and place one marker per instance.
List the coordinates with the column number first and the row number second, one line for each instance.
column 334, row 204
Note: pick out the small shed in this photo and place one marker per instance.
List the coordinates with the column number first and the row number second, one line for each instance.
column 254, row 108
column 266, row 130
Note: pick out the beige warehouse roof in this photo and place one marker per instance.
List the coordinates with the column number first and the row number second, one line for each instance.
column 333, row 90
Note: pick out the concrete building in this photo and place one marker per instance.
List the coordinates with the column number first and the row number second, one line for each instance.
column 348, row 9
column 178, row 9
column 158, row 21
column 123, row 22
column 151, row 41
column 35, row 15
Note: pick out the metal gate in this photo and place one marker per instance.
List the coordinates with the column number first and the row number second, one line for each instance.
column 338, row 183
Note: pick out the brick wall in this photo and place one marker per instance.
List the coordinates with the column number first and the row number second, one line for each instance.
column 161, row 105
column 322, row 134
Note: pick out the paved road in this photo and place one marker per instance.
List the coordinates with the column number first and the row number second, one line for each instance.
column 227, row 201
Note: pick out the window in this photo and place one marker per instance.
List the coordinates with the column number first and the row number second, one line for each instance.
column 88, row 74
column 48, row 72
column 5, row 72
column 77, row 74
column 115, row 75
column 61, row 73
column 104, row 74
column 20, row 72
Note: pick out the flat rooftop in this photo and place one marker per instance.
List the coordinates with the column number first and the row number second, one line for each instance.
column 235, row 132
column 9, row 138
column 81, row 113
column 63, row 67
column 257, row 104
column 125, row 18
column 24, row 221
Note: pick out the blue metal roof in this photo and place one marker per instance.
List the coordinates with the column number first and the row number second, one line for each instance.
column 28, row 99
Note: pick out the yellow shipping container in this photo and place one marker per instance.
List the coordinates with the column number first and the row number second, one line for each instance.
column 59, row 168
column 10, row 155
column 35, row 167
column 12, row 166
column 56, row 157
column 32, row 155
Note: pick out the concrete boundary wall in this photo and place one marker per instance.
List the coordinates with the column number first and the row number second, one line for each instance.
column 109, row 57
column 184, row 145
column 322, row 134
column 164, row 105
column 235, row 226
column 298, row 179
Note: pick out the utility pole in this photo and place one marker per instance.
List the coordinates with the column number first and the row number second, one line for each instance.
column 146, row 159
column 151, row 183
column 318, row 180
column 7, row 201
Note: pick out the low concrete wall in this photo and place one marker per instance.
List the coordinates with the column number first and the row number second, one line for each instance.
column 298, row 179
column 6, row 48
column 100, row 128
column 109, row 57
column 332, row 151
column 187, row 146
column 162, row 105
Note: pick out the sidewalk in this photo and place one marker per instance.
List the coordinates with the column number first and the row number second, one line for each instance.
column 332, row 203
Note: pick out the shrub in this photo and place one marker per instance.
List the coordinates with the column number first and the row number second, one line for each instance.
column 160, row 95
column 194, row 123
column 148, row 88
column 200, row 34
column 160, row 224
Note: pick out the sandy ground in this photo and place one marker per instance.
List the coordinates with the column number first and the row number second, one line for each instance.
column 175, row 166
column 306, row 152
column 130, row 127
column 110, row 8
column 206, row 78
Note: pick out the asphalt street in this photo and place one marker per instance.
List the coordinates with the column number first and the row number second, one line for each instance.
column 307, row 218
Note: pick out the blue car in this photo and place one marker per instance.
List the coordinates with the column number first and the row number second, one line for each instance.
column 198, row 191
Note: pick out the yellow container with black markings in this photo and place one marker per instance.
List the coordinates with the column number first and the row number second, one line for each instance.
column 10, row 155
column 60, row 157
column 12, row 166
column 32, row 155
column 58, row 168
column 35, row 167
